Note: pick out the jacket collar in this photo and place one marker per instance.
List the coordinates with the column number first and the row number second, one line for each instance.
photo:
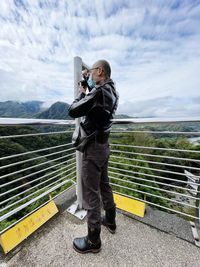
column 104, row 82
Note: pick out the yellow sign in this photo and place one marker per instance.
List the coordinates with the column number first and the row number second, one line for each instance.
column 15, row 235
column 130, row 205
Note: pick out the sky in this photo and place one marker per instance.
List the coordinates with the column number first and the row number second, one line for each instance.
column 152, row 46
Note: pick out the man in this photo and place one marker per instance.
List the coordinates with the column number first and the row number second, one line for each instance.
column 98, row 107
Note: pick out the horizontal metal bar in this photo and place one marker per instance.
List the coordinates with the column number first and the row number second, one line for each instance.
column 28, row 196
column 23, row 121
column 34, row 166
column 29, row 189
column 24, row 198
column 154, row 155
column 155, row 120
column 152, row 175
column 157, row 148
column 149, row 168
column 156, row 163
column 31, row 174
column 156, row 205
column 152, row 187
column 152, row 181
column 11, row 225
column 12, row 212
column 31, row 159
column 155, row 132
column 147, row 193
column 33, row 181
column 35, row 134
column 33, row 151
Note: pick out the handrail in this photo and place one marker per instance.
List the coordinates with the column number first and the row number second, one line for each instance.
column 27, row 196
column 149, row 181
column 156, row 120
column 153, row 155
column 32, row 181
column 34, row 166
column 24, row 121
column 31, row 159
column 151, row 175
column 31, row 174
column 157, row 163
column 156, row 205
column 153, row 195
column 8, row 199
column 10, row 213
column 35, row 134
column 33, row 151
column 157, row 132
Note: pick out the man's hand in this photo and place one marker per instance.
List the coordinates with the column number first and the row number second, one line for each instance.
column 82, row 89
column 85, row 73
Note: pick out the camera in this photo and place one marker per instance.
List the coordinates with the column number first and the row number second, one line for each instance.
column 83, row 82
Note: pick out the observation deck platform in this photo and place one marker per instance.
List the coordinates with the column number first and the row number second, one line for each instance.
column 159, row 239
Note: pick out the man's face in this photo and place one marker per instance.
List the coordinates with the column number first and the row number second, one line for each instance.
column 96, row 72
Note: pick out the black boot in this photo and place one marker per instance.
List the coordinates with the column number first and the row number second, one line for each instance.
column 109, row 220
column 89, row 243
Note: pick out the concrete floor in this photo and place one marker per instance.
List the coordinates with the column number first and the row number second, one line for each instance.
column 134, row 244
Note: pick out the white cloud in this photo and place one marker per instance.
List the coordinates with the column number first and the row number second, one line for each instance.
column 162, row 107
column 153, row 48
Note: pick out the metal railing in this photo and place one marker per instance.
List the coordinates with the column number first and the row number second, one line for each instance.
column 33, row 177
column 147, row 171
column 164, row 176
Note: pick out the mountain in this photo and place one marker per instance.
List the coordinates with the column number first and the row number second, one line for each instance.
column 33, row 109
column 121, row 116
column 15, row 109
column 58, row 110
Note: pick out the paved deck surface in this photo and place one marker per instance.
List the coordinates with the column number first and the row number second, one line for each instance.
column 134, row 244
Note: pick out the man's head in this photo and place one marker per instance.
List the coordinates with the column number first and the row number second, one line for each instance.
column 100, row 71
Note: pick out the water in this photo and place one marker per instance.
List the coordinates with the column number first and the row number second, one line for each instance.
column 194, row 140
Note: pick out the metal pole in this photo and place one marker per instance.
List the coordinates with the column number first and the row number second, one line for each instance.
column 77, row 78
column 198, row 204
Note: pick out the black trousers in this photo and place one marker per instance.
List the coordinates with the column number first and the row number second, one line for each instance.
column 95, row 182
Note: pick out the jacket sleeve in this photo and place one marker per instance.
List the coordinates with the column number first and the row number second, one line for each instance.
column 82, row 104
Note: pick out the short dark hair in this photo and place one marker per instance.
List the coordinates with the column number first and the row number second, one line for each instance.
column 106, row 67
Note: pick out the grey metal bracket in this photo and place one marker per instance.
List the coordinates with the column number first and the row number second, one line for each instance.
column 195, row 234
column 74, row 210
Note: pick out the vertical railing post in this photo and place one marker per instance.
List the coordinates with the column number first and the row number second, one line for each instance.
column 77, row 77
column 198, row 203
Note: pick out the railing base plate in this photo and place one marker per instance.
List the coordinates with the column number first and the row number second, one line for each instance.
column 195, row 234
column 74, row 210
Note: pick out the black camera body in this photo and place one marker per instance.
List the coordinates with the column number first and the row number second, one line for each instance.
column 83, row 82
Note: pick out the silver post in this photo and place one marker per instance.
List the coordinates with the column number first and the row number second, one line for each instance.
column 198, row 203
column 77, row 207
column 77, row 78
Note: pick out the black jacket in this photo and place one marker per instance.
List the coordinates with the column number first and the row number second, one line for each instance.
column 98, row 107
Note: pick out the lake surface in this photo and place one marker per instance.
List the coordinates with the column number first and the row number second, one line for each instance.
column 194, row 140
